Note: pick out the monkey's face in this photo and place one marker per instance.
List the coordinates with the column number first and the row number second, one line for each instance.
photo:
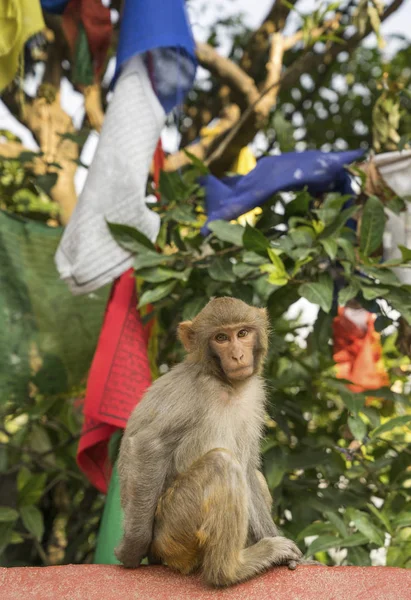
column 234, row 346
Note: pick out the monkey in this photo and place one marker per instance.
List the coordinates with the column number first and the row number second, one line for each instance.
column 191, row 487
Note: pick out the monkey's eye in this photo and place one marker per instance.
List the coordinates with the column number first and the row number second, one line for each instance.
column 243, row 333
column 221, row 337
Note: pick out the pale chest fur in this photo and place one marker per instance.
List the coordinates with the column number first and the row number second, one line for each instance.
column 231, row 420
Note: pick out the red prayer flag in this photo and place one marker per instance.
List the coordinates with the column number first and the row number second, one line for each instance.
column 358, row 353
column 97, row 24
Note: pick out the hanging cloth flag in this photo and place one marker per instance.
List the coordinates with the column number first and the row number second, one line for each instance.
column 55, row 7
column 118, row 378
column 156, row 31
column 162, row 29
column 88, row 256
column 19, row 20
column 320, row 172
column 358, row 351
column 90, row 19
column 243, row 164
column 394, row 168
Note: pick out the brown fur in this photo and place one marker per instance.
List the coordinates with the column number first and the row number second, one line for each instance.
column 191, row 491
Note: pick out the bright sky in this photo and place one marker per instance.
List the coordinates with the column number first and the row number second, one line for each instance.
column 255, row 11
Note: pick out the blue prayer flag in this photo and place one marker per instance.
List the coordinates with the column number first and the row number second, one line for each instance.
column 160, row 27
column 320, row 172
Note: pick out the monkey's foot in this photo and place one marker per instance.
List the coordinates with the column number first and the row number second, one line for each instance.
column 128, row 555
column 284, row 552
column 304, row 561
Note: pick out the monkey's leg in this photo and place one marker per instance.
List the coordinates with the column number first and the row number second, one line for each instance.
column 202, row 520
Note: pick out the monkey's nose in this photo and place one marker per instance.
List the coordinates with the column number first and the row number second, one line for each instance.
column 238, row 357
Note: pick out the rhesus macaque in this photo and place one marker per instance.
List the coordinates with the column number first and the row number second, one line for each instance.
column 191, row 489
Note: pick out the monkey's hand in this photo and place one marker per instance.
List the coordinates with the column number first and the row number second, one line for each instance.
column 130, row 552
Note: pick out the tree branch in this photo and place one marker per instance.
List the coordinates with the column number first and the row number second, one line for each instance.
column 206, row 145
column 310, row 62
column 227, row 71
column 244, row 130
column 274, row 67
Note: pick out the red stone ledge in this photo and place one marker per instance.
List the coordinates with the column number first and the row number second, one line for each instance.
column 109, row 582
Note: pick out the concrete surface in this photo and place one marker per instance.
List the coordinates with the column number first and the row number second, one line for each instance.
column 109, row 582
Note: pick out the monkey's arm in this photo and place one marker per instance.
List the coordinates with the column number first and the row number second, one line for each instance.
column 261, row 523
column 143, row 465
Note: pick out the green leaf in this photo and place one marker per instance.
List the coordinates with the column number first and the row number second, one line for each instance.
column 276, row 260
column 322, row 332
column 397, row 205
column 365, row 526
column 182, row 213
column 406, row 253
column 251, row 258
column 227, row 232
column 242, row 270
column 371, row 292
column 6, row 531
column 401, row 421
column 348, row 293
column 201, row 167
column 352, row 400
column 320, row 293
column 330, row 246
column 348, row 249
column 318, row 528
column 400, row 299
column 384, row 276
column 323, row 542
column 151, row 259
column 157, row 293
column 358, row 556
column 47, row 181
column 402, row 520
column 338, row 224
column 32, row 520
column 354, row 539
column 274, row 474
column 274, row 466
column 32, row 490
column 193, row 307
column 130, row 238
column 380, row 516
column 221, row 269
column 39, row 440
column 338, row 523
column 372, row 226
column 8, row 514
column 283, row 132
column 357, row 427
column 254, row 240
column 334, row 200
column 281, row 300
column 161, row 274
column 302, row 236
column 172, row 187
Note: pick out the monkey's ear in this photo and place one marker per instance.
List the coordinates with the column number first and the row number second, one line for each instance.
column 264, row 314
column 186, row 335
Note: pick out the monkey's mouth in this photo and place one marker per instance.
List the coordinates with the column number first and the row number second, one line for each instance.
column 240, row 372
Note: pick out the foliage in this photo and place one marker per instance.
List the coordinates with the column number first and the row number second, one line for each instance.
column 25, row 192
column 49, row 512
column 331, row 457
